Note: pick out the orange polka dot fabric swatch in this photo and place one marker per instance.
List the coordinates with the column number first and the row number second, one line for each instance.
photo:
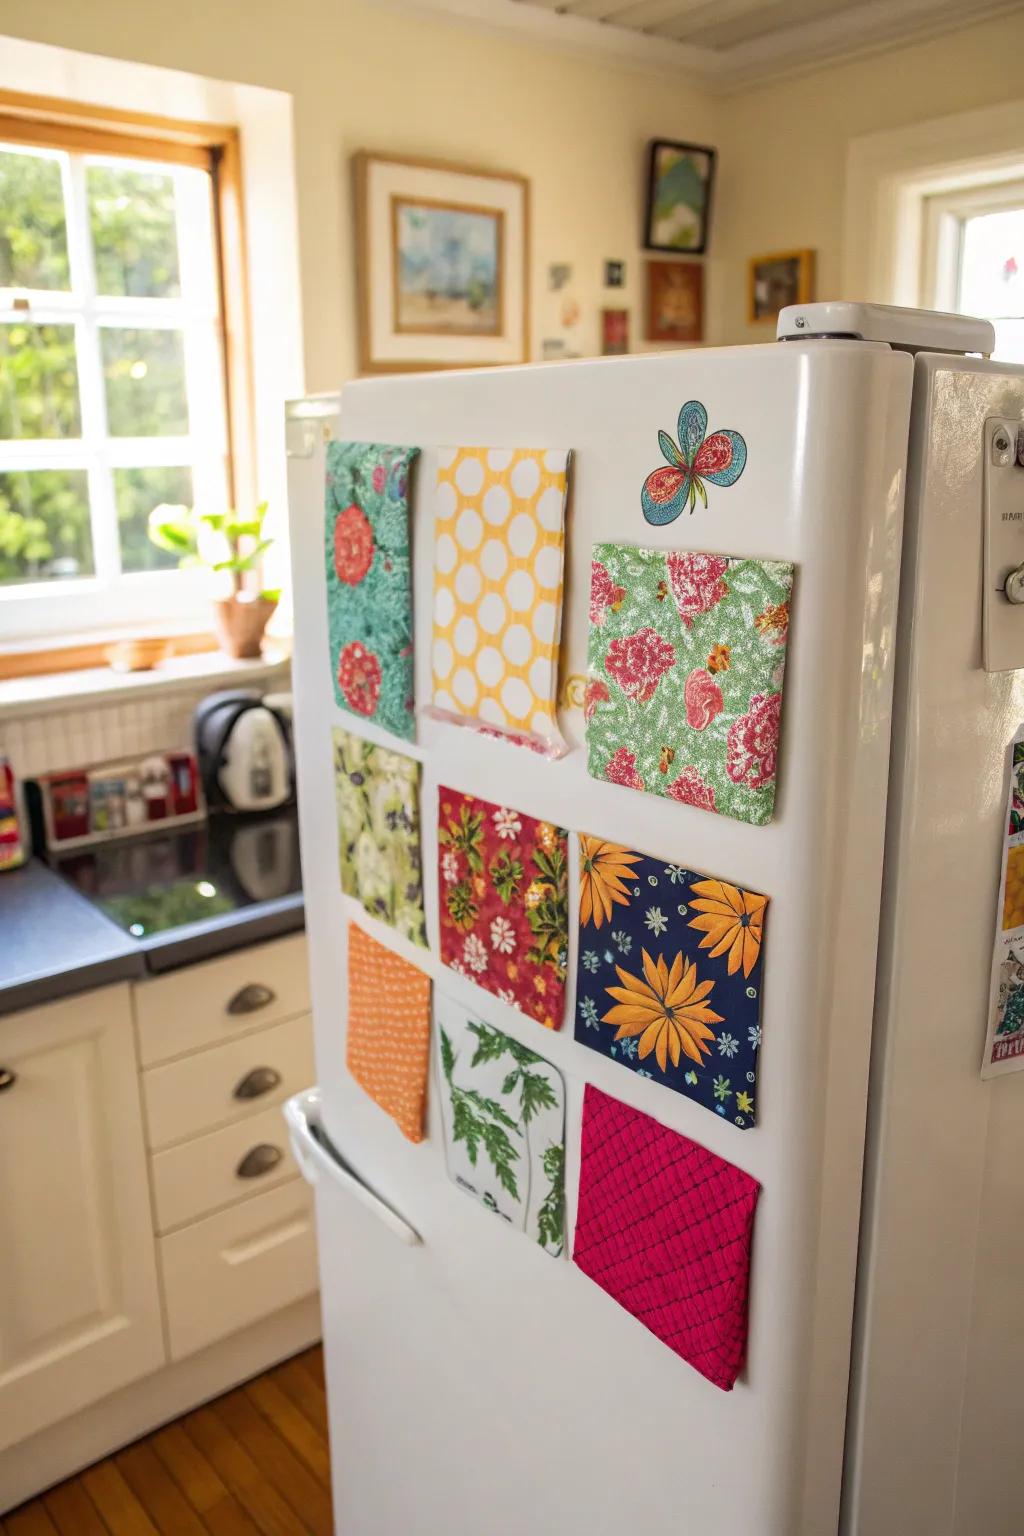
column 500, row 537
column 388, row 1045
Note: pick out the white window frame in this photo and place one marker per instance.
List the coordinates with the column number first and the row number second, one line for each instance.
column 109, row 598
column 890, row 176
column 945, row 215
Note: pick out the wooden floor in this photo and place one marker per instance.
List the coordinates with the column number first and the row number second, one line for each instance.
column 253, row 1461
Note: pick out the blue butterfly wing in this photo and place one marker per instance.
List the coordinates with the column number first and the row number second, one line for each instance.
column 693, row 423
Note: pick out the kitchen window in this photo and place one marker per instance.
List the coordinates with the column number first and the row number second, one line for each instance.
column 973, row 259
column 114, row 395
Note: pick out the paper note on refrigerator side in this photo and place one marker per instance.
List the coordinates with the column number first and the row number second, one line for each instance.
column 1004, row 1039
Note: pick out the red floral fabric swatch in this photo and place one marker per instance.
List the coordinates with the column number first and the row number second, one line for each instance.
column 664, row 1227
column 503, row 890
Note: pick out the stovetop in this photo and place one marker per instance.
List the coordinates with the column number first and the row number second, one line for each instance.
column 163, row 881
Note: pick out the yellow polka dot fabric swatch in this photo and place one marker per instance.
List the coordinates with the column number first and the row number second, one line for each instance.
column 388, row 1044
column 500, row 539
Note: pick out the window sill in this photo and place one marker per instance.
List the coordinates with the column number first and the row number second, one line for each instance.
column 54, row 692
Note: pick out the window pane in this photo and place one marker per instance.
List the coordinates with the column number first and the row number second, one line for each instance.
column 137, row 492
column 44, row 525
column 134, row 238
column 33, row 234
column 992, row 264
column 38, row 381
column 145, row 374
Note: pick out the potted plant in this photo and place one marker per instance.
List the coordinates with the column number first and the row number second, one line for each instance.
column 233, row 547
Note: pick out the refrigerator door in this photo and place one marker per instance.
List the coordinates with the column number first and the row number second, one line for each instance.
column 476, row 1384
column 935, row 1412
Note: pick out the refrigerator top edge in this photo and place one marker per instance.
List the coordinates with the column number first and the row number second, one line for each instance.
column 908, row 330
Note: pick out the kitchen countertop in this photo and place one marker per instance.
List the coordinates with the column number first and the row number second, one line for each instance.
column 55, row 942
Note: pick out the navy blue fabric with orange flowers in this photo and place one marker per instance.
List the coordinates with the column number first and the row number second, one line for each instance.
column 369, row 585
column 669, row 976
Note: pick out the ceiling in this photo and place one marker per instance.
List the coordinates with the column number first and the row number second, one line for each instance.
column 728, row 43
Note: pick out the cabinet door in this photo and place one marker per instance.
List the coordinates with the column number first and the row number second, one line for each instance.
column 79, row 1306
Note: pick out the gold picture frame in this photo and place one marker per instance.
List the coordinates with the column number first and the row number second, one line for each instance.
column 442, row 264
column 787, row 277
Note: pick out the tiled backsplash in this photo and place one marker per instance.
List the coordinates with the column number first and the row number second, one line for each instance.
column 41, row 737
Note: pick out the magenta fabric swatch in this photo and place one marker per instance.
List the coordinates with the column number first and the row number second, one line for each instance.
column 664, row 1227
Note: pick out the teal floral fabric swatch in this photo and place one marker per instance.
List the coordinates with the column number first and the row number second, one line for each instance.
column 377, row 794
column 685, row 667
column 369, row 585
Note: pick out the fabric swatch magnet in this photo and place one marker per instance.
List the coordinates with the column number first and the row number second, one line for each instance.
column 664, row 1227
column 377, row 794
column 503, row 899
column 369, row 590
column 387, row 1049
column 686, row 660
column 668, row 979
column 498, row 591
column 503, row 1109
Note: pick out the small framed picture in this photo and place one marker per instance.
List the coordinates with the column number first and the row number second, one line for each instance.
column 614, row 331
column 680, row 178
column 441, row 265
column 615, row 274
column 675, row 301
column 775, row 281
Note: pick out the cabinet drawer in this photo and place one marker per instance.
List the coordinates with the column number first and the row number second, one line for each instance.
column 227, row 1082
column 231, row 1269
column 219, row 999
column 200, row 1175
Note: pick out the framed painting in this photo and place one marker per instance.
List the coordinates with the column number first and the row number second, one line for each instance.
column 441, row 265
column 675, row 301
column 775, row 281
column 614, row 331
column 680, row 179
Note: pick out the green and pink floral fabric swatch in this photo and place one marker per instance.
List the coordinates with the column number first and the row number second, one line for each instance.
column 369, row 588
column 378, row 805
column 686, row 661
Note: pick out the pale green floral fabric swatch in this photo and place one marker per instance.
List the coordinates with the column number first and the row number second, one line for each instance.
column 377, row 793
column 686, row 661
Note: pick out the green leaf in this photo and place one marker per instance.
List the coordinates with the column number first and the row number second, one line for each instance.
column 551, row 1215
column 535, row 1094
column 447, row 1055
column 491, row 1043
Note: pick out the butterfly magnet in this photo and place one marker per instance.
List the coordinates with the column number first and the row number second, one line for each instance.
column 718, row 460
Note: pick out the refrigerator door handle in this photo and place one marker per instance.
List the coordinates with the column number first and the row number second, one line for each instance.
column 317, row 1157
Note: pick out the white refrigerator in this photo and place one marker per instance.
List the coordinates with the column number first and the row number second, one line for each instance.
column 476, row 1386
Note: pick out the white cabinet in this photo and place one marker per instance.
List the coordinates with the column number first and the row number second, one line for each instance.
column 222, row 1044
column 79, row 1304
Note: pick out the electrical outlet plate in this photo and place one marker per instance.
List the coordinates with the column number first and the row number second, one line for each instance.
column 1002, row 621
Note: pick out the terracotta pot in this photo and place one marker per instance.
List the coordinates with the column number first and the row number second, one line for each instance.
column 239, row 622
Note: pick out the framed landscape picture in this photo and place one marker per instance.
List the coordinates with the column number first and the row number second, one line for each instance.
column 775, row 281
column 680, row 179
column 675, row 301
column 441, row 265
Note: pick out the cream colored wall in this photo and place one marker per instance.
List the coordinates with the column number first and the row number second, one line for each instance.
column 368, row 77
column 783, row 150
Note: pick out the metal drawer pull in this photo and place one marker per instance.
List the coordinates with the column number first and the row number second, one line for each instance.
column 257, row 1082
column 7, row 1078
column 251, row 998
column 259, row 1160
